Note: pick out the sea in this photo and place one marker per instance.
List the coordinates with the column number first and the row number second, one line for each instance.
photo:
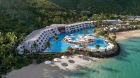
column 125, row 65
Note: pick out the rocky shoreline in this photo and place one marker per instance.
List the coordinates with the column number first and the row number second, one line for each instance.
column 114, row 52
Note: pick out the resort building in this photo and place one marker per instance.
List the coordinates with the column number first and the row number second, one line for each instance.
column 133, row 18
column 112, row 22
column 35, row 41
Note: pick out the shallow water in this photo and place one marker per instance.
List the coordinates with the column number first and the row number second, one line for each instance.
column 125, row 65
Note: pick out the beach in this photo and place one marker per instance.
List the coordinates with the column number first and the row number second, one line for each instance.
column 37, row 71
column 55, row 70
column 127, row 34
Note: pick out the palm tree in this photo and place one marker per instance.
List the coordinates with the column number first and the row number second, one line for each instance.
column 11, row 37
column 48, row 44
column 114, row 37
column 87, row 53
column 55, row 37
column 35, row 46
column 85, row 32
column 106, row 36
column 70, row 50
column 124, row 18
column 97, row 46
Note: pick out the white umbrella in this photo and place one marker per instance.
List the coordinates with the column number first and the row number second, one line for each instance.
column 47, row 62
column 55, row 60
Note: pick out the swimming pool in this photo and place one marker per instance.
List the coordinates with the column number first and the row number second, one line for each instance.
column 61, row 46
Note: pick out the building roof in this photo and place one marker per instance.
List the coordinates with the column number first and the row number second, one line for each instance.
column 137, row 18
column 36, row 33
column 58, row 25
column 117, row 20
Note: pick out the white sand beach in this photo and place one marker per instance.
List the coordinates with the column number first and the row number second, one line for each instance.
column 36, row 71
column 55, row 70
column 79, row 61
column 127, row 34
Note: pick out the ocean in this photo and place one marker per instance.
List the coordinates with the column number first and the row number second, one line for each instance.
column 125, row 65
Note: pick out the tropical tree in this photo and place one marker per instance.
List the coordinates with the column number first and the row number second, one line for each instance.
column 58, row 19
column 114, row 37
column 87, row 53
column 48, row 44
column 94, row 17
column 35, row 46
column 11, row 37
column 99, row 31
column 99, row 23
column 85, row 32
column 97, row 46
column 84, row 18
column 70, row 50
column 55, row 37
column 33, row 50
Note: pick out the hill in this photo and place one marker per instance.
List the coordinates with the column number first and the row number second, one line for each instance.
column 19, row 17
column 102, row 6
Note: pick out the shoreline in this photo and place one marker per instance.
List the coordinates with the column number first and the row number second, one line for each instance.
column 37, row 71
column 127, row 34
column 55, row 70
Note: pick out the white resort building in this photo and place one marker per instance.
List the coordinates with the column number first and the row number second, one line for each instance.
column 35, row 41
column 113, row 22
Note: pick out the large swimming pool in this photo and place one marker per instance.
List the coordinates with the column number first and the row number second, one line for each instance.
column 61, row 46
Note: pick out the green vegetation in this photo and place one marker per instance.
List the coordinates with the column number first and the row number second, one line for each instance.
column 9, row 59
column 56, row 37
column 19, row 17
column 85, row 32
column 48, row 44
column 97, row 46
column 100, row 32
column 69, row 49
column 102, row 6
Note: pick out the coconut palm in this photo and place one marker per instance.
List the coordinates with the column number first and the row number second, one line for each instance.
column 48, row 44
column 85, row 32
column 34, row 49
column 97, row 46
column 114, row 37
column 70, row 50
column 55, row 37
column 11, row 37
column 35, row 46
column 87, row 53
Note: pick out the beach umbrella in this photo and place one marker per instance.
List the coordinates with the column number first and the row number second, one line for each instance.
column 64, row 64
column 47, row 62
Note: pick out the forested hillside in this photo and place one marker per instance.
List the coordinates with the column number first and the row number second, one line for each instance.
column 20, row 17
column 33, row 14
column 104, row 6
column 25, row 14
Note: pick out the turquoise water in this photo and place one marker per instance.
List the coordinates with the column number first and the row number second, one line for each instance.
column 61, row 46
column 126, row 65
